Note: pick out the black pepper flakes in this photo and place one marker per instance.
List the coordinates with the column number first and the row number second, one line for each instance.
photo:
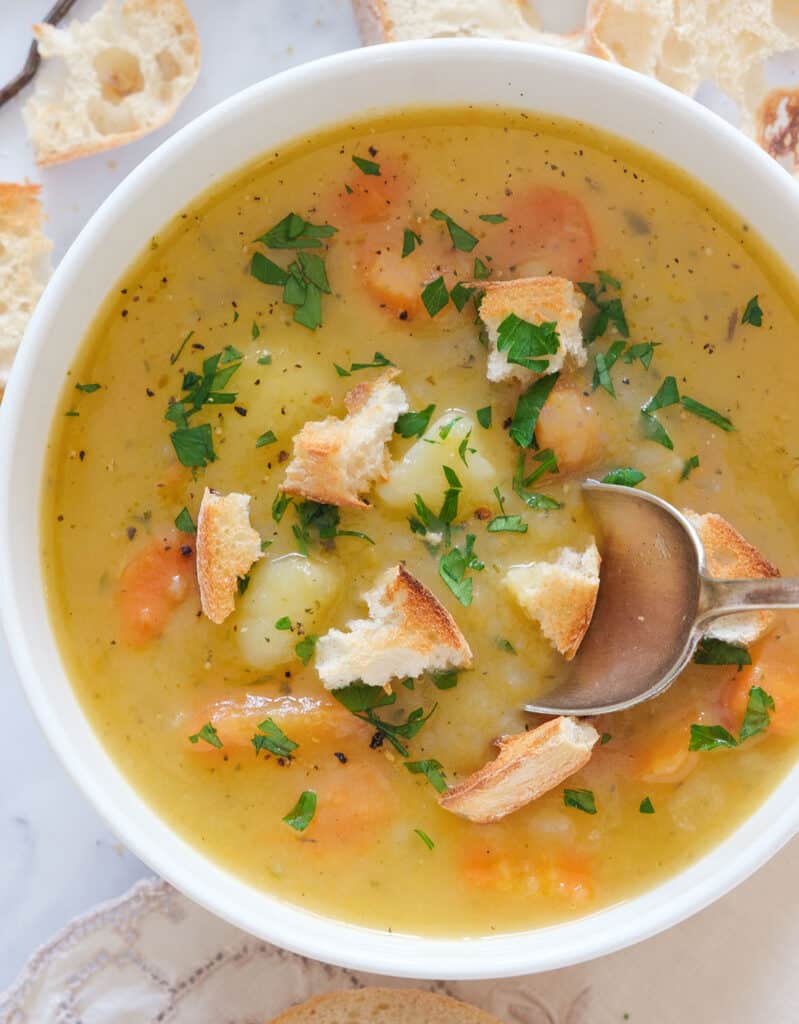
column 341, row 758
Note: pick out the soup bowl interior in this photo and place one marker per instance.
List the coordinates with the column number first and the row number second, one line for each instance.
column 284, row 109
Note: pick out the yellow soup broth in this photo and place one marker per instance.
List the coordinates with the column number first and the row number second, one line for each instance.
column 151, row 671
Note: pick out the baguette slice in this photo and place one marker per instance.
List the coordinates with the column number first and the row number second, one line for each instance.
column 389, row 21
column 112, row 79
column 337, row 460
column 24, row 266
column 408, row 632
column 559, row 595
column 730, row 556
column 537, row 300
column 529, row 764
column 384, row 1006
column 227, row 548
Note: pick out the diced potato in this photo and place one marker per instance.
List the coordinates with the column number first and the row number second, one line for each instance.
column 294, row 588
column 420, row 471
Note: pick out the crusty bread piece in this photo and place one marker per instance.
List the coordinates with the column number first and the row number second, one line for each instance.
column 227, row 547
column 537, row 300
column 384, row 1006
column 337, row 460
column 389, row 21
column 110, row 80
column 408, row 632
column 529, row 764
column 24, row 266
column 683, row 44
column 778, row 126
column 730, row 556
column 559, row 595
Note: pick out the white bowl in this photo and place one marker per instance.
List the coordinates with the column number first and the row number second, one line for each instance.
column 291, row 105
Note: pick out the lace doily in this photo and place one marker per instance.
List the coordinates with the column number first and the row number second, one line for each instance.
column 154, row 956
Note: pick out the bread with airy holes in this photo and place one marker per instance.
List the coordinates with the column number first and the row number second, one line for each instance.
column 24, row 266
column 538, row 300
column 529, row 764
column 560, row 595
column 336, row 461
column 227, row 548
column 384, row 1006
column 408, row 632
column 112, row 79
column 730, row 556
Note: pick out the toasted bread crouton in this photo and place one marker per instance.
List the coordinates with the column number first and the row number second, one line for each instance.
column 384, row 1006
column 408, row 632
column 559, row 595
column 729, row 556
column 227, row 547
column 337, row 460
column 24, row 266
column 110, row 80
column 537, row 300
column 529, row 764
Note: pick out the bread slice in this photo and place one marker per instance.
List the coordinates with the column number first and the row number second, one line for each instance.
column 227, row 548
column 559, row 595
column 389, row 21
column 384, row 1006
column 730, row 556
column 24, row 266
column 537, row 300
column 408, row 632
column 683, row 44
column 337, row 460
column 529, row 764
column 110, row 80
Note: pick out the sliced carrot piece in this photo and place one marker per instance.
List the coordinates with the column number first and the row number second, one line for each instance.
column 154, row 583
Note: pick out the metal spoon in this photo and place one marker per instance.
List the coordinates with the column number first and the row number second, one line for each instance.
column 655, row 602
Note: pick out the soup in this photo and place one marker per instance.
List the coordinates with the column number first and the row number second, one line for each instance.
column 213, row 354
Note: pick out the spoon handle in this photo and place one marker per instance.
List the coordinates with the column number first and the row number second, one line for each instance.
column 726, row 597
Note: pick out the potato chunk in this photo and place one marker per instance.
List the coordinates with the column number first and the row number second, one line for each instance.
column 294, row 588
column 420, row 471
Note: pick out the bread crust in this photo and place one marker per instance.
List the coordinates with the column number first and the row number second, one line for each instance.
column 227, row 548
column 529, row 764
column 384, row 1006
column 372, row 21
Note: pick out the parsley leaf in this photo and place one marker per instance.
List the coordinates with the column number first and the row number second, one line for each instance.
column 435, row 296
column 453, row 566
column 710, row 737
column 414, row 424
column 176, row 355
column 428, row 842
column 461, row 238
column 646, row 806
column 756, row 717
column 293, row 232
column 643, row 351
column 305, row 648
column 481, row 270
column 367, row 166
column 362, row 700
column 460, row 295
column 484, row 417
column 504, row 645
column 409, row 242
column 209, row 734
column 444, row 680
column 279, row 505
column 87, row 389
column 284, row 623
column 692, row 463
column 691, row 405
column 194, row 446
column 667, row 394
column 493, row 218
column 301, row 814
column 267, row 271
column 272, row 738
column 184, row 522
column 507, row 524
column 548, row 464
column 527, row 344
column 432, row 770
column 654, row 430
column 604, row 363
column 625, row 476
column 753, row 314
column 610, row 311
column 359, row 697
column 268, row 437
column 582, row 799
column 712, row 651
column 528, row 409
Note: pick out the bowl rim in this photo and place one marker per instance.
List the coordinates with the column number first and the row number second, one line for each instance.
column 208, row 883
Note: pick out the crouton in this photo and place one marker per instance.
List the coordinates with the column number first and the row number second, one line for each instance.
column 529, row 764
column 408, row 632
column 112, row 79
column 383, row 1006
column 227, row 548
column 730, row 556
column 337, row 460
column 559, row 595
column 537, row 300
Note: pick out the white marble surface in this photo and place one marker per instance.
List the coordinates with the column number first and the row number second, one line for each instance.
column 56, row 856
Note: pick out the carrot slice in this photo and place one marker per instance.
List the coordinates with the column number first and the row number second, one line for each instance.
column 154, row 583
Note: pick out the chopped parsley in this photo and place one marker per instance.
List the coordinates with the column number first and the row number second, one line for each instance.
column 444, row 431
column 454, row 565
column 265, row 360
column 464, row 449
column 295, row 233
column 460, row 295
column 481, row 270
column 528, row 409
column 582, row 799
column 712, row 651
column 267, row 271
column 756, row 720
column 268, row 437
column 646, row 806
column 272, row 738
column 484, row 417
column 432, row 770
column 279, row 505
column 426, row 521
column 362, row 700
column 710, row 737
column 502, row 644
column 753, row 314
column 301, row 814
column 504, row 523
column 176, row 355
column 409, row 242
column 493, row 218
column 283, row 623
column 184, row 522
column 378, row 360
column 624, row 476
column 208, row 734
column 367, row 166
column 444, row 680
column 643, row 351
column 414, row 424
column 428, row 842
column 435, row 296
column 654, row 430
column 691, row 405
column 547, row 464
column 194, row 446
column 87, row 389
column 667, row 394
column 255, row 332
column 604, row 363
column 305, row 648
column 324, row 519
column 605, row 738
column 242, row 583
column 610, row 310
column 527, row 344
column 461, row 238
column 688, row 466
